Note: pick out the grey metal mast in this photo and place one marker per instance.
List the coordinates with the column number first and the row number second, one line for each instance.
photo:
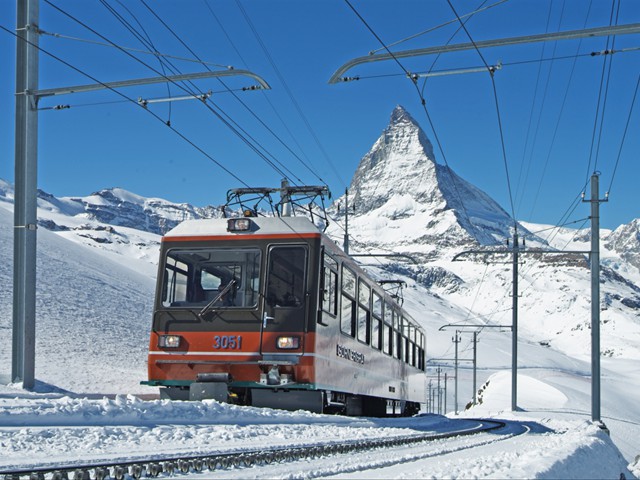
column 25, row 203
column 514, row 322
column 595, row 296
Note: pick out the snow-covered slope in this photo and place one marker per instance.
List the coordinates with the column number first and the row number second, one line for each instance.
column 96, row 269
column 93, row 314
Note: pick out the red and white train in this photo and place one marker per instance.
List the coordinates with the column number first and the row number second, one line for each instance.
column 268, row 311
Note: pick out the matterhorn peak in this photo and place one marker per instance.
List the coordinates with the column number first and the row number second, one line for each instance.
column 400, row 115
column 400, row 160
column 399, row 179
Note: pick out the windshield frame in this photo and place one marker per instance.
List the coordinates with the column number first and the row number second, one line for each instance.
column 214, row 277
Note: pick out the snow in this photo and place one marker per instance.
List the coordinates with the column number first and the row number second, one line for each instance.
column 94, row 315
column 95, row 289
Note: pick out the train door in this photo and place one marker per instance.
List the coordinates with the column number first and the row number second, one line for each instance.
column 285, row 301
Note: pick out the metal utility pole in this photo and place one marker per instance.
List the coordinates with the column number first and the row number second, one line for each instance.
column 515, row 251
column 445, row 392
column 514, row 323
column 25, row 203
column 475, row 367
column 475, row 349
column 26, row 161
column 595, row 296
column 456, row 340
column 439, row 370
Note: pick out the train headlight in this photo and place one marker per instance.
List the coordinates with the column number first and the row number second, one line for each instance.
column 238, row 224
column 288, row 343
column 169, row 341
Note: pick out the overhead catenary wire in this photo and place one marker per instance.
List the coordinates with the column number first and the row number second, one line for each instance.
column 150, row 42
column 295, row 103
column 482, row 8
column 227, row 120
column 281, row 171
column 136, row 50
column 273, row 160
column 195, row 92
column 559, row 118
column 495, row 96
column 600, row 116
column 157, row 117
column 533, row 105
column 606, row 92
column 624, row 135
column 264, row 124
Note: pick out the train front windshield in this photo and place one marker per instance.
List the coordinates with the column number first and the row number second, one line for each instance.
column 196, row 277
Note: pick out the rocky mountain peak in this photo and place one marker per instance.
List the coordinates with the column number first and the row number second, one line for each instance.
column 399, row 178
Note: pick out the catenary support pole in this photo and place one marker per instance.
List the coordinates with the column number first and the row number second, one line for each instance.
column 25, row 203
column 445, row 392
column 439, row 370
column 456, row 340
column 514, row 341
column 595, row 299
column 475, row 367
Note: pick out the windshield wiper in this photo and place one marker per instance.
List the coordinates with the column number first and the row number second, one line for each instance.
column 221, row 294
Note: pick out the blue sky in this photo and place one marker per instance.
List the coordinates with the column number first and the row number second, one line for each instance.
column 548, row 109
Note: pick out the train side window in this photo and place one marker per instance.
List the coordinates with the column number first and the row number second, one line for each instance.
column 348, row 316
column 388, row 329
column 330, row 289
column 348, row 303
column 376, row 323
column 376, row 331
column 348, row 282
column 364, row 315
column 387, row 333
column 286, row 277
column 398, row 347
column 411, row 350
column 407, row 351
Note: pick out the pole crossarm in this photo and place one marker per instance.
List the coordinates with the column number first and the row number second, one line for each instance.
column 393, row 255
column 628, row 29
column 469, row 325
column 147, row 81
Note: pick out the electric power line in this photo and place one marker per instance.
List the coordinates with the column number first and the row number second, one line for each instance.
column 177, row 132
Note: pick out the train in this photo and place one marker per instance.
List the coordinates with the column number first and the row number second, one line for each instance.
column 268, row 311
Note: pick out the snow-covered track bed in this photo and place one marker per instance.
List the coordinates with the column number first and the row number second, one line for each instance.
column 239, row 461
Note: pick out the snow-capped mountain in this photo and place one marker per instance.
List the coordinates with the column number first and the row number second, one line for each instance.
column 406, row 203
column 398, row 183
column 118, row 207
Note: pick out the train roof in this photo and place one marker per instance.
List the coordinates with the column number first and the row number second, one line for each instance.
column 259, row 226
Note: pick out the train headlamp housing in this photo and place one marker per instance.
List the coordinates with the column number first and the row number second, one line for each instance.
column 238, row 224
column 169, row 341
column 288, row 343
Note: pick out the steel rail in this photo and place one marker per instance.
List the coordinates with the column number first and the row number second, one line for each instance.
column 154, row 466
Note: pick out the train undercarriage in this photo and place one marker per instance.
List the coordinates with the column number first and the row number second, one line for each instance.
column 316, row 401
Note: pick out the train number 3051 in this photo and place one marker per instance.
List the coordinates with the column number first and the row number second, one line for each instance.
column 227, row 342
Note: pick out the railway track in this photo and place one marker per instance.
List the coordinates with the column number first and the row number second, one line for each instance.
column 174, row 465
